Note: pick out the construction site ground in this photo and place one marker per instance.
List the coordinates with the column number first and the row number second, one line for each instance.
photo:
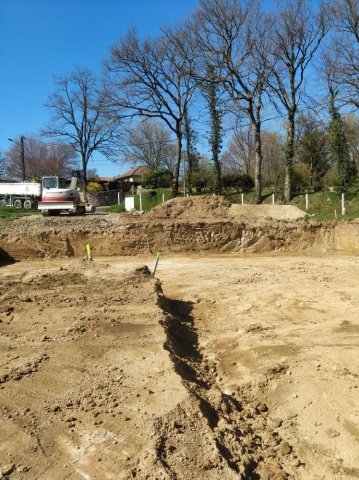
column 237, row 360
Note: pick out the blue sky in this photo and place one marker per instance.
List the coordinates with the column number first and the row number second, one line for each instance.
column 43, row 38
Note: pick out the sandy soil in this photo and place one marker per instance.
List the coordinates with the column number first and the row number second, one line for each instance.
column 225, row 367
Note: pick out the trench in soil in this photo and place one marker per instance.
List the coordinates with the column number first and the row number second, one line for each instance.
column 230, row 416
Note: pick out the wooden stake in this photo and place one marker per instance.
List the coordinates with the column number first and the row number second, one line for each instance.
column 156, row 263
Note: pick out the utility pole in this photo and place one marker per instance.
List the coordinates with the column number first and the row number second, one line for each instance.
column 22, row 151
column 23, row 158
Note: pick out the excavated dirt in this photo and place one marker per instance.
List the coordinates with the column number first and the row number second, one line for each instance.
column 192, row 224
column 224, row 366
column 236, row 367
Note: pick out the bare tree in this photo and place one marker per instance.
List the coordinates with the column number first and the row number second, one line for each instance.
column 3, row 166
column 191, row 156
column 239, row 154
column 149, row 143
column 153, row 79
column 347, row 14
column 298, row 33
column 346, row 48
column 79, row 117
column 273, row 157
column 312, row 147
column 40, row 159
column 235, row 35
column 351, row 123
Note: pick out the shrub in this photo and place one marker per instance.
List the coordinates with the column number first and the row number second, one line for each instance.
column 202, row 180
column 157, row 179
column 242, row 183
column 94, row 187
column 331, row 178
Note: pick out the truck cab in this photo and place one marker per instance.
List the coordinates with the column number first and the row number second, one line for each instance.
column 56, row 189
column 54, row 182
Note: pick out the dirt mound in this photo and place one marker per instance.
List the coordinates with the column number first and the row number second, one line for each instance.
column 191, row 208
column 216, row 207
column 276, row 212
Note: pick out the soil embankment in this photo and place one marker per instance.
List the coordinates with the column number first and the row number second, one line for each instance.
column 180, row 225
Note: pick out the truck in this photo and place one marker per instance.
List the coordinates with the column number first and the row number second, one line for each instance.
column 52, row 196
column 20, row 195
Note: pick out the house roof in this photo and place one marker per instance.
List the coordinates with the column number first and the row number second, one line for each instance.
column 136, row 171
column 104, row 179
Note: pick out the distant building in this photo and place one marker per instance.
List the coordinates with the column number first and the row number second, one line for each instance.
column 133, row 176
column 105, row 182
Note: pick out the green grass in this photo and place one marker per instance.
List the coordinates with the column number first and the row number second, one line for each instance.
column 148, row 200
column 328, row 205
column 322, row 205
column 249, row 197
column 10, row 213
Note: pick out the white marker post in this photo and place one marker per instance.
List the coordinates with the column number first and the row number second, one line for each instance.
column 140, row 202
column 163, row 198
column 343, row 204
column 118, row 198
column 273, row 199
column 242, row 199
column 306, row 201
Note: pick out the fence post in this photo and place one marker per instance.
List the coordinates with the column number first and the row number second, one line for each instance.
column 140, row 202
column 343, row 204
column 306, row 201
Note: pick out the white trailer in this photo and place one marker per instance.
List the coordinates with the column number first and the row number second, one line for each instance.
column 20, row 195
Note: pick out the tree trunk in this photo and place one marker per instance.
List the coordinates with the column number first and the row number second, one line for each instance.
column 189, row 154
column 217, row 174
column 311, row 172
column 176, row 172
column 289, row 155
column 84, row 178
column 258, row 162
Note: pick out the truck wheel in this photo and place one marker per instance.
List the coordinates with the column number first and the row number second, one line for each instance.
column 17, row 203
column 27, row 204
column 2, row 202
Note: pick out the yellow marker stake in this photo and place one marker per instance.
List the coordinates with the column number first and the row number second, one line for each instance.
column 88, row 250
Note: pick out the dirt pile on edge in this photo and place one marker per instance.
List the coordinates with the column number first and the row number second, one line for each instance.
column 216, row 207
column 191, row 208
column 276, row 212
